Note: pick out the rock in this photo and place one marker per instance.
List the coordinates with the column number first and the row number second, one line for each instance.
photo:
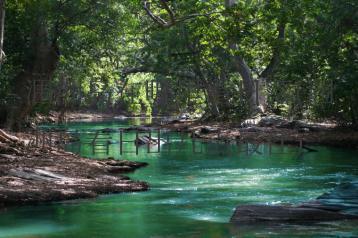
column 272, row 120
column 209, row 129
column 195, row 134
column 252, row 129
column 138, row 128
column 340, row 203
column 120, row 169
column 265, row 213
column 184, row 116
column 303, row 130
column 145, row 140
column 344, row 196
column 109, row 130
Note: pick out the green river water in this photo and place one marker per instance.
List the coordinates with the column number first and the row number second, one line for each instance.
column 193, row 194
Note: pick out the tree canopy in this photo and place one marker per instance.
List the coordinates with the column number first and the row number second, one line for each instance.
column 225, row 59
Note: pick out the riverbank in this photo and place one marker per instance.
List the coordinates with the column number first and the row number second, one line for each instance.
column 289, row 133
column 30, row 174
column 54, row 117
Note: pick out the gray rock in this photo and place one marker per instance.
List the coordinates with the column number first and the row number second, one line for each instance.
column 208, row 130
column 272, row 120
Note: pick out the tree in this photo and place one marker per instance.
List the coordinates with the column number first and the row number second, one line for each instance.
column 2, row 30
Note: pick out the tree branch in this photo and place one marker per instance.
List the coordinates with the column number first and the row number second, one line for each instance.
column 275, row 60
column 173, row 19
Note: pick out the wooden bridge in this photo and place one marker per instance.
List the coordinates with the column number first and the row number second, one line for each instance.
column 101, row 141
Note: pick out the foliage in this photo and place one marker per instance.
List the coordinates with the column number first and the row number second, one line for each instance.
column 111, row 49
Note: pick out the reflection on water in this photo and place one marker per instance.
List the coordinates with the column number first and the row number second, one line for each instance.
column 194, row 194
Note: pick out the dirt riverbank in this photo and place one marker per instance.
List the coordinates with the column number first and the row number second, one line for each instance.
column 313, row 134
column 31, row 174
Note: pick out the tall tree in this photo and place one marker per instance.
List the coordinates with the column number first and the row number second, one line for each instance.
column 2, row 30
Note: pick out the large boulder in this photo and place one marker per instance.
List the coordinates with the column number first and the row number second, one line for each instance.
column 272, row 120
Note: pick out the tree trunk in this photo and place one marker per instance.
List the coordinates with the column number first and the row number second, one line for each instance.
column 244, row 70
column 39, row 66
column 2, row 30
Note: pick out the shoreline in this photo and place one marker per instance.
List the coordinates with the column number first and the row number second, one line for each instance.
column 227, row 132
column 315, row 134
column 32, row 175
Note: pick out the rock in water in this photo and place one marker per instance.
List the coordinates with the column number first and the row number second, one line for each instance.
column 344, row 196
column 145, row 140
column 340, row 203
column 265, row 213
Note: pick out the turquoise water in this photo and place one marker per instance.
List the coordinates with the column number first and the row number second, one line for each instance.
column 193, row 194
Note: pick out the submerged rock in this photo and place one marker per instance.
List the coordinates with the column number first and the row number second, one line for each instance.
column 266, row 213
column 340, row 203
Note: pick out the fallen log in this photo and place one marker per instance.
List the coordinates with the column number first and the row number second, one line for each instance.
column 36, row 174
column 6, row 136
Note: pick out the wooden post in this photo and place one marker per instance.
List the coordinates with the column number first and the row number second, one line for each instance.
column 193, row 141
column 107, row 147
column 150, row 140
column 158, row 140
column 301, row 144
column 219, row 134
column 121, row 142
column 136, row 144
column 169, row 144
column 282, row 142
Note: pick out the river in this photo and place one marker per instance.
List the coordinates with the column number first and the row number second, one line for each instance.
column 193, row 194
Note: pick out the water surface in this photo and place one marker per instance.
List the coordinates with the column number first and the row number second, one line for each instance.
column 193, row 194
